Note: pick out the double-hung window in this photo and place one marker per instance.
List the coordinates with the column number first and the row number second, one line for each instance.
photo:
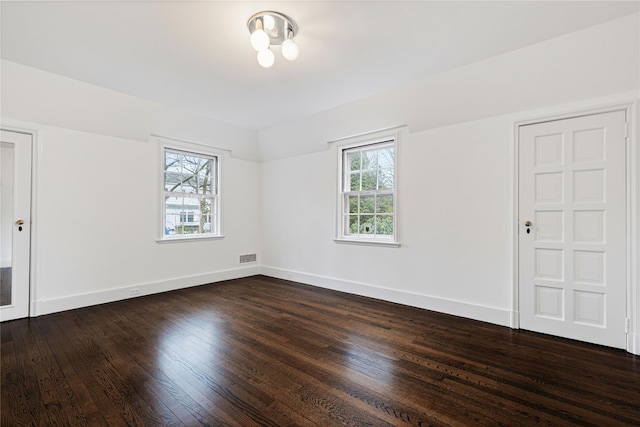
column 190, row 193
column 368, row 192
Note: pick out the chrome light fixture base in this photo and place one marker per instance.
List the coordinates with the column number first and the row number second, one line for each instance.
column 269, row 28
column 275, row 24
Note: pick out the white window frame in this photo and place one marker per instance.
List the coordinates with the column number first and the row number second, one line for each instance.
column 342, row 221
column 217, row 201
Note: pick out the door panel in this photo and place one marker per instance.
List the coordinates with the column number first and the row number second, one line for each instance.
column 572, row 255
column 15, row 217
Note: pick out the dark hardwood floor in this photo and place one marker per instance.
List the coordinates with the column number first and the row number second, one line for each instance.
column 266, row 352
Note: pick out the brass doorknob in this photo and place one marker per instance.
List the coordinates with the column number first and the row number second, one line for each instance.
column 527, row 223
column 19, row 222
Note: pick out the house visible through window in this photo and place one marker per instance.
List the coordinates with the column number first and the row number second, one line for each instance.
column 368, row 192
column 188, row 217
column 190, row 202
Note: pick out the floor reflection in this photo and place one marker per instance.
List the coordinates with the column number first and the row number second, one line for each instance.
column 361, row 360
column 190, row 352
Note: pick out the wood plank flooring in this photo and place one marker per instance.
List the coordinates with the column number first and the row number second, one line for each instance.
column 266, row 352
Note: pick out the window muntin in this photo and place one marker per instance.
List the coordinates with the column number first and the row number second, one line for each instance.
column 368, row 192
column 190, row 194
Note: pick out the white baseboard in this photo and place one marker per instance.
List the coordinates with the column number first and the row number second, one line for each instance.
column 457, row 308
column 502, row 317
column 515, row 319
column 54, row 305
column 633, row 343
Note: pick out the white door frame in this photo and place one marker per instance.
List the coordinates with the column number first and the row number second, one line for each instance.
column 15, row 126
column 630, row 104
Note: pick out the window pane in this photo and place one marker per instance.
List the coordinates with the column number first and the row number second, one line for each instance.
column 190, row 229
column 172, row 162
column 173, row 204
column 384, row 204
column 206, row 206
column 385, row 179
column 204, row 168
column 191, row 205
column 353, row 224
column 384, row 225
column 370, row 159
column 366, row 224
column 173, row 214
column 204, row 217
column 353, row 204
column 190, row 164
column 385, row 157
column 369, row 180
column 172, row 181
column 354, row 161
column 189, row 184
column 355, row 181
column 367, row 204
column 170, row 223
column 205, row 179
column 204, row 185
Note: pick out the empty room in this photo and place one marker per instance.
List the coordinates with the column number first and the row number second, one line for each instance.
column 320, row 213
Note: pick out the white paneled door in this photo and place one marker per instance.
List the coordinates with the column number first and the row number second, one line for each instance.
column 572, row 228
column 15, row 221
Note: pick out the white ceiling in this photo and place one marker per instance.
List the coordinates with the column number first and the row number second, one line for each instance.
column 196, row 56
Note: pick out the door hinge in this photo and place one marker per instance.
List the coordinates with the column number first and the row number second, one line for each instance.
column 627, row 325
column 626, row 130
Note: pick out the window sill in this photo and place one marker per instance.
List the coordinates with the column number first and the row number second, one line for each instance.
column 367, row 243
column 189, row 239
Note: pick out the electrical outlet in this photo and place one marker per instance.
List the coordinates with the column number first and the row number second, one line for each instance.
column 134, row 292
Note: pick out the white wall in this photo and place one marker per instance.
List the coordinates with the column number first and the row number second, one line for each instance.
column 96, row 192
column 454, row 223
column 97, row 223
column 455, row 174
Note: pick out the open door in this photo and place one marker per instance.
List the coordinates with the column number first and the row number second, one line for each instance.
column 15, row 224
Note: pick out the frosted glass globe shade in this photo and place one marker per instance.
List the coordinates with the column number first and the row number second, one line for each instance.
column 259, row 40
column 290, row 50
column 268, row 22
column 266, row 58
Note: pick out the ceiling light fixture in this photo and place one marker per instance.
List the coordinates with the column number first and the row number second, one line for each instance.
column 270, row 29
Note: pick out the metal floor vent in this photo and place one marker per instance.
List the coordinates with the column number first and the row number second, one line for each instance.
column 247, row 258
